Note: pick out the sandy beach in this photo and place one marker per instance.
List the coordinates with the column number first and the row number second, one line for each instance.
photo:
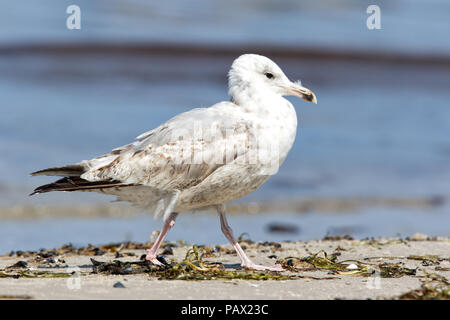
column 359, row 208
column 332, row 268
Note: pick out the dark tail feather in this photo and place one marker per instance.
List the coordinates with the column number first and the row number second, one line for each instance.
column 75, row 184
column 73, row 170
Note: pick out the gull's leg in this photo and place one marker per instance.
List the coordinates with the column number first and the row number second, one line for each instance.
column 168, row 224
column 245, row 260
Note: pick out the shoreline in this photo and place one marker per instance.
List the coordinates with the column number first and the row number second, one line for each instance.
column 333, row 268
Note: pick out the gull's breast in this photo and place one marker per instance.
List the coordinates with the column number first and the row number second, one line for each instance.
column 270, row 139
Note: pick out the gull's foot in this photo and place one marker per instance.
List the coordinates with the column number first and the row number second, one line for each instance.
column 153, row 259
column 258, row 267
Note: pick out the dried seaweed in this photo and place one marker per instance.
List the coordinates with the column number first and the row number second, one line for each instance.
column 89, row 250
column 194, row 267
column 34, row 274
column 315, row 262
column 19, row 264
column 395, row 270
column 321, row 261
column 120, row 267
column 427, row 260
column 376, row 242
column 329, row 237
column 246, row 240
column 191, row 268
column 434, row 287
column 442, row 269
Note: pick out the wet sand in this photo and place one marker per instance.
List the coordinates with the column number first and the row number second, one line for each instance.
column 319, row 204
column 334, row 268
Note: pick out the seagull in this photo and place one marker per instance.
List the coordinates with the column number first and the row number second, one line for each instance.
column 202, row 158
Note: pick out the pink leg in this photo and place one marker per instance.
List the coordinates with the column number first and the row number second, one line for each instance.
column 168, row 224
column 245, row 260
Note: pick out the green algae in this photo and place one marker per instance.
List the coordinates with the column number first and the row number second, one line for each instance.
column 34, row 274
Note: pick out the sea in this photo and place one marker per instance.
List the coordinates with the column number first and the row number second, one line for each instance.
column 380, row 130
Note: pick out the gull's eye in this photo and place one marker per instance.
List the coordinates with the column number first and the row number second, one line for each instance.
column 269, row 75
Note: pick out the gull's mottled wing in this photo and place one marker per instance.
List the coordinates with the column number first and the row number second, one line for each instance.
column 180, row 153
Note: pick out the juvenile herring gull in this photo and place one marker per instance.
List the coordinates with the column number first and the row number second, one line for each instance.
column 202, row 158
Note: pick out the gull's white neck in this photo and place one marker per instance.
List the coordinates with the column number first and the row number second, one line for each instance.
column 274, row 113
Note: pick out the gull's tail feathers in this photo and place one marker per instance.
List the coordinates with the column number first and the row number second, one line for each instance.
column 73, row 170
column 77, row 184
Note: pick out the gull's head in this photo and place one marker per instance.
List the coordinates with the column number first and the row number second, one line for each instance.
column 253, row 74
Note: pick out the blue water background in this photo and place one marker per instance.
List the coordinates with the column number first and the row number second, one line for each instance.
column 381, row 128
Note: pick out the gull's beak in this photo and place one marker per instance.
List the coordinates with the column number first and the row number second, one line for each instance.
column 295, row 89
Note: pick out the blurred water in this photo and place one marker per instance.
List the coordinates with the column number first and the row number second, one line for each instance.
column 407, row 25
column 205, row 229
column 381, row 128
